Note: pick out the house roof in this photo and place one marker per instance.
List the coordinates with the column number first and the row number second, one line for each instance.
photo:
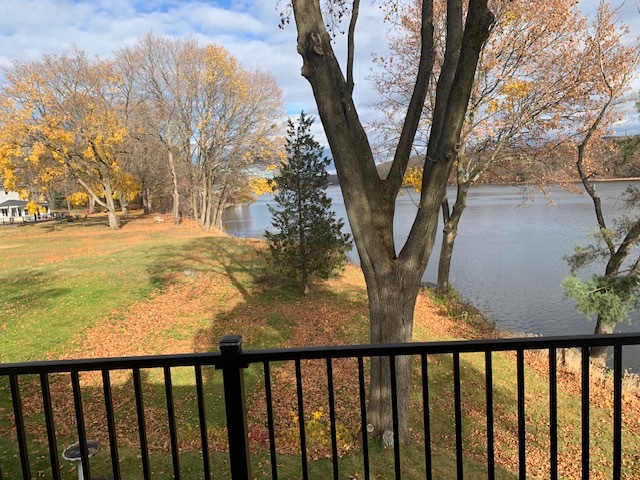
column 19, row 203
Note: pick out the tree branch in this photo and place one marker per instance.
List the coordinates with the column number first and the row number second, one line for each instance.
column 351, row 45
column 449, row 68
column 418, row 97
column 441, row 156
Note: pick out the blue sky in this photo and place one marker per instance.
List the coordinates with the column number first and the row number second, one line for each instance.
column 248, row 29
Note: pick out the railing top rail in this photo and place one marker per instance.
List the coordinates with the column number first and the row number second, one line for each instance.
column 460, row 346
column 113, row 363
column 365, row 350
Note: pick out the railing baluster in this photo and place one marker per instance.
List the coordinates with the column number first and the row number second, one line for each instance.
column 233, row 366
column 522, row 447
column 111, row 424
column 51, row 429
column 363, row 418
column 394, row 414
column 585, row 412
column 457, row 399
column 142, row 429
column 617, row 412
column 173, row 431
column 203, row 423
column 19, row 421
column 82, row 434
column 488, row 368
column 426, row 417
column 303, row 437
column 270, row 422
column 332, row 419
column 553, row 413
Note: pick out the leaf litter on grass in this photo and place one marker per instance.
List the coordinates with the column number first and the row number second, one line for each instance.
column 191, row 313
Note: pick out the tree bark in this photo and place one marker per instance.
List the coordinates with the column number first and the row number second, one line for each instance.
column 146, row 200
column 392, row 302
column 444, row 263
column 449, row 235
column 123, row 204
column 114, row 224
column 599, row 354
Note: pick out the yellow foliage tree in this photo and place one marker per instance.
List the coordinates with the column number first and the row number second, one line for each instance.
column 63, row 115
column 260, row 186
column 216, row 120
column 78, row 199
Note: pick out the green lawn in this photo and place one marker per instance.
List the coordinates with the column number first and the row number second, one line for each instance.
column 74, row 289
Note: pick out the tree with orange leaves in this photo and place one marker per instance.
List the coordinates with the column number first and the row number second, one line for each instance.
column 527, row 80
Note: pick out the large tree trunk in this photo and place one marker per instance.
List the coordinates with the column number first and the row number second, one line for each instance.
column 114, row 224
column 218, row 210
column 174, row 178
column 444, row 263
column 146, row 200
column 392, row 302
column 392, row 276
column 109, row 204
column 124, row 204
column 599, row 354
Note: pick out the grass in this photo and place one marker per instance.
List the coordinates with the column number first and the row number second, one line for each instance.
column 77, row 291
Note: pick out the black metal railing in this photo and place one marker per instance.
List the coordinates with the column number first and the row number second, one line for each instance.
column 28, row 380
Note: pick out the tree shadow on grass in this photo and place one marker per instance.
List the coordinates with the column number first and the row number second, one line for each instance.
column 238, row 261
column 84, row 221
column 29, row 288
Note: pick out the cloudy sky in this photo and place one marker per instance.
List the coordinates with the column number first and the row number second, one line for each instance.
column 248, row 29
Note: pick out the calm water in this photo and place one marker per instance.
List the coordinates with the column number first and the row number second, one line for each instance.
column 508, row 258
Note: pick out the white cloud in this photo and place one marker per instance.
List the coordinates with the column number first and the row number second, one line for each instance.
column 248, row 29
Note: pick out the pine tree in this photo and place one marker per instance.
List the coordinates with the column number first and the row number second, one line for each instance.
column 309, row 241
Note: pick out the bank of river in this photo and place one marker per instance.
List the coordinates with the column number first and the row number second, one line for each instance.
column 509, row 255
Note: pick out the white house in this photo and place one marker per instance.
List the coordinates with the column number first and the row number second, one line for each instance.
column 12, row 209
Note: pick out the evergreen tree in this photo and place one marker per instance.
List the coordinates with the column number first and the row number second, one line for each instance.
column 309, row 240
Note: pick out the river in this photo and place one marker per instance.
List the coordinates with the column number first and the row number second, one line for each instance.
column 508, row 258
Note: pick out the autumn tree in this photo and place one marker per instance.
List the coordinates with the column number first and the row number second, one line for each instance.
column 308, row 240
column 158, row 65
column 524, row 86
column 215, row 119
column 234, row 129
column 64, row 115
column 611, row 294
column 392, row 272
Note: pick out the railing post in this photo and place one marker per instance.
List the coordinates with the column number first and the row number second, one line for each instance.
column 233, row 378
